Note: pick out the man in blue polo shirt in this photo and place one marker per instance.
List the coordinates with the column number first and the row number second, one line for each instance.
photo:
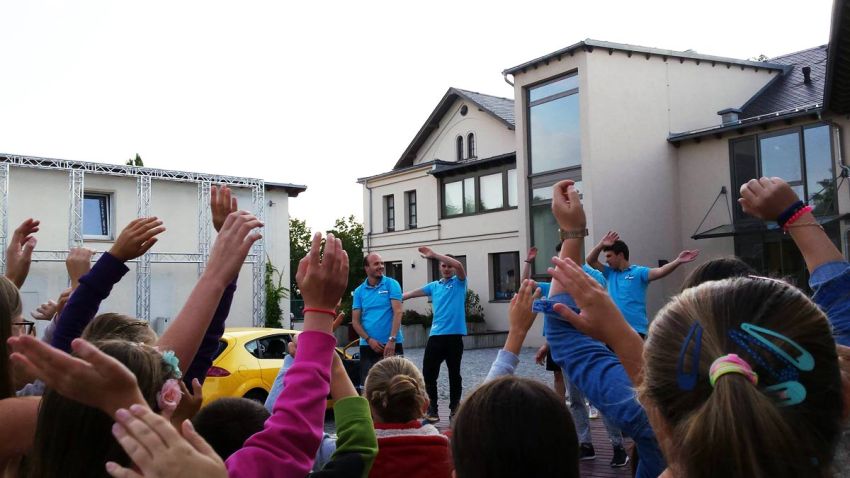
column 448, row 300
column 376, row 315
column 627, row 283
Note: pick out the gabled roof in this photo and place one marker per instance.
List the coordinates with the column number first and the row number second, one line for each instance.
column 788, row 90
column 837, row 88
column 589, row 45
column 500, row 108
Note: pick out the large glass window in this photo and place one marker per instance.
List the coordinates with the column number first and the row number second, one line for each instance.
column 544, row 227
column 512, row 188
column 389, row 213
column 453, row 198
column 491, row 191
column 504, row 268
column 468, row 195
column 410, row 199
column 820, row 183
column 780, row 157
column 97, row 216
column 554, row 133
column 396, row 271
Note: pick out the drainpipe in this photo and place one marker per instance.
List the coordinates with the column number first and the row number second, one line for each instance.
column 505, row 77
column 369, row 234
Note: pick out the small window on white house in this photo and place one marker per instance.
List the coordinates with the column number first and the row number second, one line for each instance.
column 97, row 216
column 470, row 145
column 459, row 142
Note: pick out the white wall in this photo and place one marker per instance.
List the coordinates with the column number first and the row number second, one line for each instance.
column 44, row 195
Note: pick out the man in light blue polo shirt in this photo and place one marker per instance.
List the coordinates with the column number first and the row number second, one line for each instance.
column 445, row 343
column 376, row 315
column 627, row 283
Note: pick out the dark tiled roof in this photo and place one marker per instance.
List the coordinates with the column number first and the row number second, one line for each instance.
column 788, row 90
column 442, row 168
column 501, row 107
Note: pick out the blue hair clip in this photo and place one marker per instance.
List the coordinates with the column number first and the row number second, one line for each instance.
column 787, row 393
column 171, row 359
column 804, row 360
column 688, row 381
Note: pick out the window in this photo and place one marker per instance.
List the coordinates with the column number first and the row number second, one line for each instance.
column 554, row 132
column 470, row 145
column 273, row 347
column 410, row 201
column 97, row 216
column 491, row 191
column 482, row 192
column 389, row 213
column 396, row 271
column 801, row 156
column 544, row 228
column 459, row 148
column 504, row 268
column 435, row 267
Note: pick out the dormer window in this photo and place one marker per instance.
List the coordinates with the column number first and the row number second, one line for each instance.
column 470, row 145
column 459, row 148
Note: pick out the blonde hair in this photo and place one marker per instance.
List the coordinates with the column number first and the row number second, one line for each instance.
column 395, row 390
column 112, row 326
column 10, row 309
column 735, row 428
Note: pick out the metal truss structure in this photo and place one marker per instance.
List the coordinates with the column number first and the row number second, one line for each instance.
column 77, row 171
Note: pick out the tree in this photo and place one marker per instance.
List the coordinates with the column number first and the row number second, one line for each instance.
column 762, row 57
column 275, row 292
column 137, row 161
column 300, row 238
column 350, row 232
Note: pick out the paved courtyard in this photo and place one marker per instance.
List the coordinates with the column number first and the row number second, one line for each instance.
column 476, row 364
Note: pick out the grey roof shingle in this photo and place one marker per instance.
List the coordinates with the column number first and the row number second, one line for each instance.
column 501, row 107
column 788, row 91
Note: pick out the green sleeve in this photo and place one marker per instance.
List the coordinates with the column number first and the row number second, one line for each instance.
column 355, row 432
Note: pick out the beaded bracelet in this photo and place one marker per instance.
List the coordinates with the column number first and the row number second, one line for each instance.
column 783, row 217
column 797, row 215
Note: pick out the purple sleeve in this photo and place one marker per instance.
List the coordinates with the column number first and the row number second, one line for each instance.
column 83, row 304
column 204, row 357
column 286, row 447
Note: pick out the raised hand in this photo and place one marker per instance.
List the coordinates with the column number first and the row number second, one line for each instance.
column 766, row 198
column 137, row 238
column 322, row 278
column 63, row 299
column 520, row 315
column 92, row 378
column 687, row 256
column 426, row 252
column 599, row 318
column 189, row 404
column 45, row 311
column 19, row 252
column 158, row 450
column 78, row 264
column 610, row 238
column 540, row 356
column 222, row 203
column 338, row 320
column 566, row 206
column 532, row 254
column 232, row 245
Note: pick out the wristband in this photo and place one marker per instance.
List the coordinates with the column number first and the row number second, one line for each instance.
column 320, row 311
column 577, row 234
column 785, row 215
column 797, row 215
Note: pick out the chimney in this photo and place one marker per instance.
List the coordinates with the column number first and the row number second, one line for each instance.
column 807, row 75
column 730, row 115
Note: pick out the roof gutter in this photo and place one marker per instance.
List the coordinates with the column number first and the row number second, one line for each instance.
column 505, row 77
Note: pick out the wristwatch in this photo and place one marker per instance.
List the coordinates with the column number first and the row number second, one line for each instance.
column 577, row 234
column 391, row 339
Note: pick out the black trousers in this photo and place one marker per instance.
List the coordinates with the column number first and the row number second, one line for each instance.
column 369, row 357
column 448, row 348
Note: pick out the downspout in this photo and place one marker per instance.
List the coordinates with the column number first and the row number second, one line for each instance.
column 369, row 234
column 505, row 77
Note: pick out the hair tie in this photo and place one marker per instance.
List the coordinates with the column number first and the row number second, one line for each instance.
column 731, row 364
column 171, row 359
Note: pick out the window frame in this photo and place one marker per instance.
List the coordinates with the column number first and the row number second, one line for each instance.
column 503, row 170
column 412, row 212
column 544, row 180
column 494, row 276
column 400, row 264
column 459, row 147
column 389, row 207
column 530, row 104
column 108, row 197
column 470, row 146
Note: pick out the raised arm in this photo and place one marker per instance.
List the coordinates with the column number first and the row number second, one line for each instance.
column 592, row 258
column 428, row 253
column 569, row 213
column 683, row 258
column 414, row 294
column 19, row 252
column 520, row 319
column 526, row 267
column 135, row 239
column 232, row 245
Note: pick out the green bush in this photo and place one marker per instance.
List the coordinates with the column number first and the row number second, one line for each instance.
column 474, row 310
column 275, row 292
column 411, row 317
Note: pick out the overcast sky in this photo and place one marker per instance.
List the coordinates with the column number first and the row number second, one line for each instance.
column 314, row 93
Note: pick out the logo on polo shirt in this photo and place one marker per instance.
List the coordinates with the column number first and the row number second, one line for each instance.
column 383, row 292
column 629, row 277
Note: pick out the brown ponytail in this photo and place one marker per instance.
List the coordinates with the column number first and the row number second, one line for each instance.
column 10, row 310
column 395, row 390
column 735, row 428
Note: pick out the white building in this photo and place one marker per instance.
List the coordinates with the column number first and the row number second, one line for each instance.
column 638, row 129
column 87, row 204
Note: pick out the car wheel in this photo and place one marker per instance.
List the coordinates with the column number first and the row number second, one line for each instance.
column 257, row 394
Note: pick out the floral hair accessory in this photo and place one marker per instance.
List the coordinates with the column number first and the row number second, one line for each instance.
column 172, row 360
column 169, row 397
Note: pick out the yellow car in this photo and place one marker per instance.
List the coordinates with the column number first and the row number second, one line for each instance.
column 248, row 360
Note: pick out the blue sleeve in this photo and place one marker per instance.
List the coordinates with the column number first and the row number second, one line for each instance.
column 428, row 289
column 644, row 274
column 831, row 285
column 278, row 384
column 595, row 274
column 606, row 271
column 505, row 364
column 355, row 301
column 599, row 374
column 395, row 290
column 84, row 302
